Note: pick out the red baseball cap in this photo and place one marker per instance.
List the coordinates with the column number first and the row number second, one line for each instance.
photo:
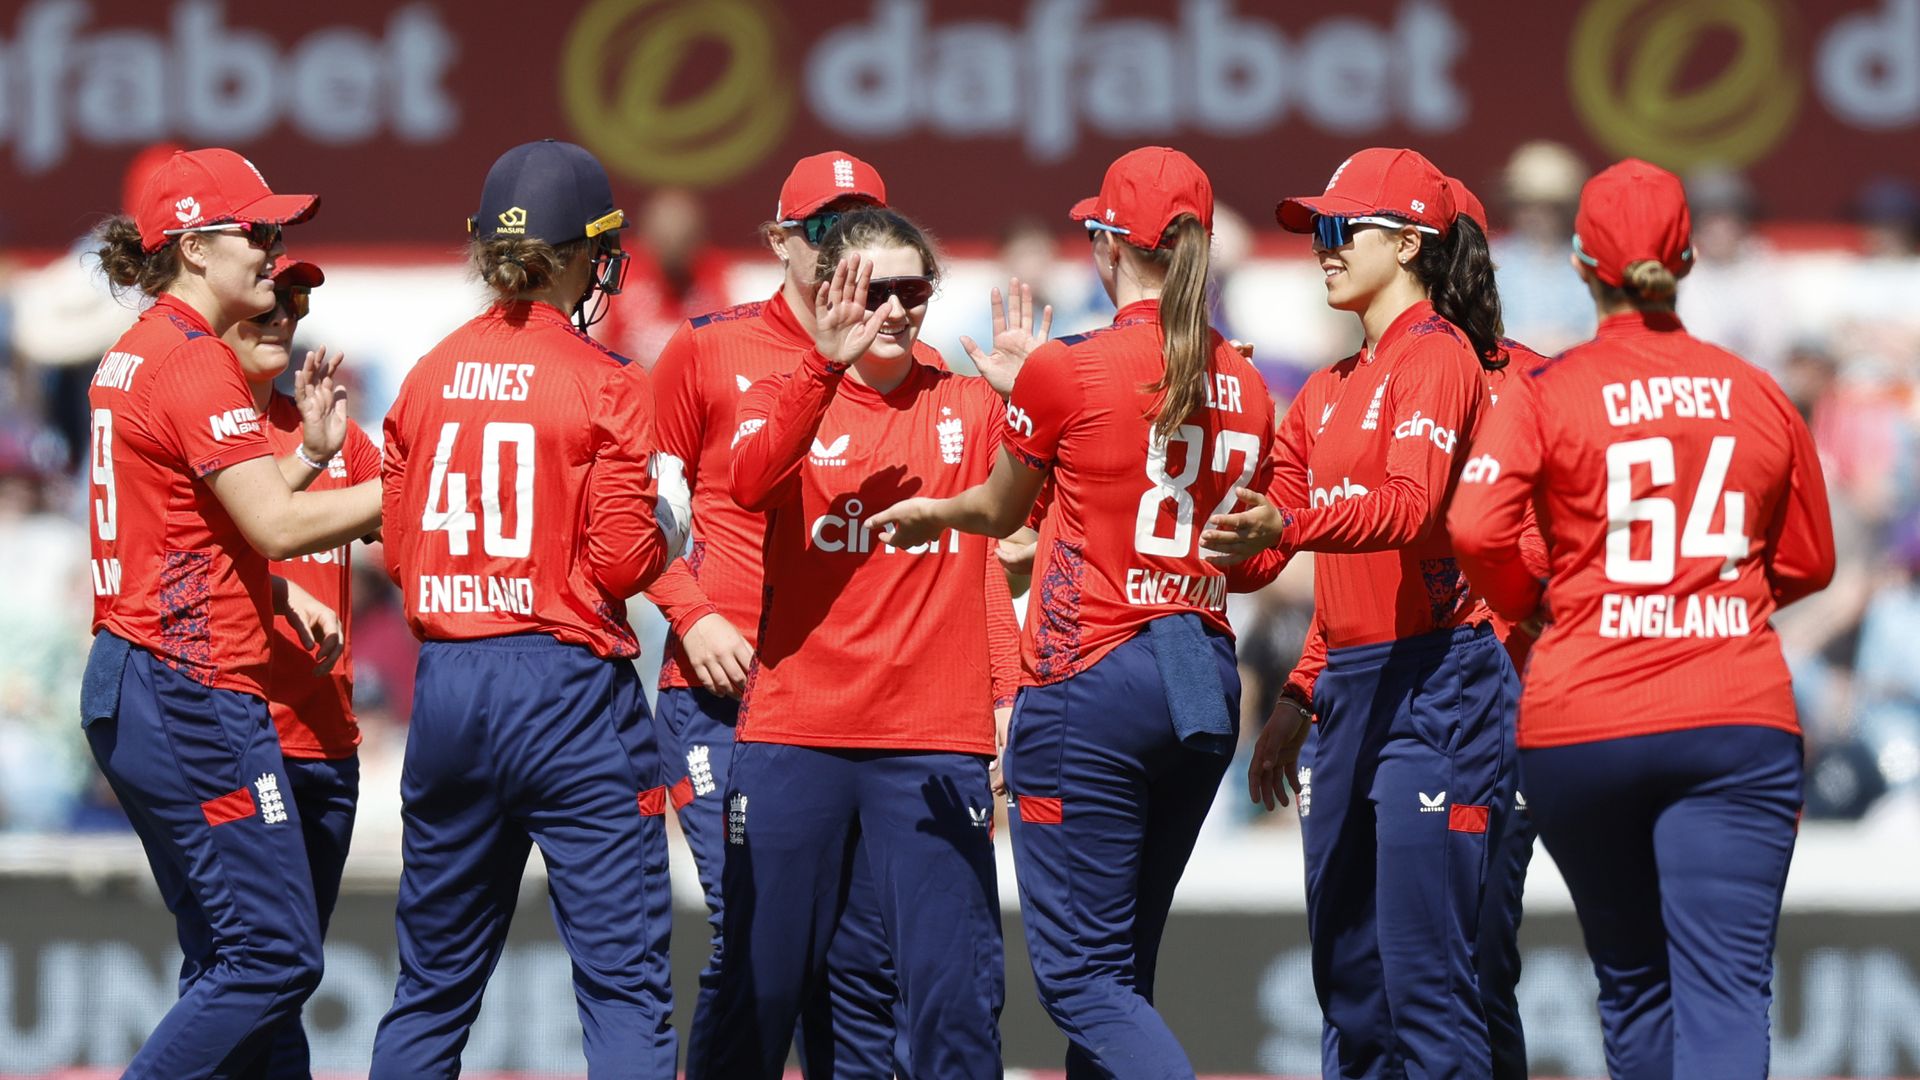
column 818, row 180
column 133, row 182
column 195, row 188
column 1379, row 181
column 1143, row 192
column 297, row 274
column 1633, row 212
column 1467, row 204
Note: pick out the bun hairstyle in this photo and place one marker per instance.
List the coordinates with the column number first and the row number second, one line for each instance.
column 1650, row 285
column 869, row 228
column 1186, row 338
column 128, row 265
column 512, row 265
column 1457, row 270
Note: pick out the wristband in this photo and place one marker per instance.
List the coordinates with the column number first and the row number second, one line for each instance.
column 300, row 452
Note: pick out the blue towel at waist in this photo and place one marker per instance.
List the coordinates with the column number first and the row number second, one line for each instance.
column 1194, row 695
column 100, row 686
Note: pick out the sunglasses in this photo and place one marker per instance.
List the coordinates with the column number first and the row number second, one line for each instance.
column 260, row 234
column 295, row 302
column 1333, row 231
column 912, row 291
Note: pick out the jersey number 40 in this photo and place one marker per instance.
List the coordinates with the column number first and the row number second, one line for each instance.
column 448, row 510
column 1177, row 487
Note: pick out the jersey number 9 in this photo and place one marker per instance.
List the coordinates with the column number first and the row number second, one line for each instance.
column 450, row 512
column 1177, row 487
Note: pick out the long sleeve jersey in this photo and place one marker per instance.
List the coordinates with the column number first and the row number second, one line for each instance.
column 863, row 645
column 1682, row 503
column 172, row 572
column 1120, row 542
column 517, row 492
column 314, row 713
column 700, row 379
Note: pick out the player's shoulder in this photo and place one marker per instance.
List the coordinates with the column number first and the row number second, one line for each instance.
column 284, row 413
column 727, row 317
column 1431, row 341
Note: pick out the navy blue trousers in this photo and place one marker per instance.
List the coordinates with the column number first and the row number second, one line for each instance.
column 518, row 741
column 1675, row 848
column 799, row 822
column 1412, row 771
column 1107, row 805
column 1498, row 951
column 199, row 773
column 326, row 793
column 846, row 1033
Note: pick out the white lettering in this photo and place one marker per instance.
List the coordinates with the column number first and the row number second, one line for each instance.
column 1160, row 588
column 475, row 594
column 1868, row 67
column 117, row 370
column 474, row 381
column 1662, row 615
column 1425, row 427
column 1690, row 397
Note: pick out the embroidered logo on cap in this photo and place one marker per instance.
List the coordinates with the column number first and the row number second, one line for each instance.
column 842, row 173
column 187, row 210
column 513, row 220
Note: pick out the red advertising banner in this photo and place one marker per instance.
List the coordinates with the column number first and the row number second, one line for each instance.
column 975, row 111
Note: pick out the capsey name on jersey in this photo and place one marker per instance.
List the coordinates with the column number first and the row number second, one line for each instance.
column 1692, row 397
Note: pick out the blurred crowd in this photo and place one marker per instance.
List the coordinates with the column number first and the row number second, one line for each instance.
column 1831, row 310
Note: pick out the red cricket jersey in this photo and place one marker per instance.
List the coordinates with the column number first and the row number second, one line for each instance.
column 314, row 713
column 1316, row 398
column 1682, row 502
column 172, row 573
column 698, row 383
column 517, row 494
column 862, row 644
column 1120, row 543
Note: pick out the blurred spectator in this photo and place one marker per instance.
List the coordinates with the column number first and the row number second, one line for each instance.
column 1541, row 297
column 1888, row 210
column 1887, row 693
column 44, row 624
column 673, row 275
column 1736, row 296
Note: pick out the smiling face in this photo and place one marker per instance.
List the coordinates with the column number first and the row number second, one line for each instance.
column 237, row 272
column 1372, row 259
column 902, row 325
column 264, row 349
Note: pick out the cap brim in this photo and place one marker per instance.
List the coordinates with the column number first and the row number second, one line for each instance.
column 1296, row 214
column 279, row 209
column 810, row 209
column 299, row 275
column 1086, row 209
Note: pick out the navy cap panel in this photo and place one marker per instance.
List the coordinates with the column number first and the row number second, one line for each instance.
column 545, row 190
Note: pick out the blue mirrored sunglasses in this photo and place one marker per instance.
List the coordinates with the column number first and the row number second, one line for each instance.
column 814, row 226
column 1333, row 231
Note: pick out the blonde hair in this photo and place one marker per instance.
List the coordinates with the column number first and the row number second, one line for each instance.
column 1650, row 284
column 1186, row 339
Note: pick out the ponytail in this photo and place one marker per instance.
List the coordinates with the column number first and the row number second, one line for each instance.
column 128, row 265
column 1186, row 337
column 1457, row 270
column 1651, row 286
column 511, row 265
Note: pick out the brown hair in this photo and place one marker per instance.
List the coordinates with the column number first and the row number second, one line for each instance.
column 130, row 266
column 511, row 265
column 1648, row 286
column 874, row 227
column 1186, row 339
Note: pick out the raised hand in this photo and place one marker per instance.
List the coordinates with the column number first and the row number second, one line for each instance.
column 322, row 402
column 1014, row 336
column 1231, row 538
column 843, row 328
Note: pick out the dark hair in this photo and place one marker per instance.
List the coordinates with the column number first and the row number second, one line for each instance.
column 1457, row 270
column 511, row 265
column 128, row 265
column 874, row 227
column 1186, row 339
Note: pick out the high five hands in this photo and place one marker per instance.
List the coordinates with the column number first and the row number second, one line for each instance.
column 843, row 328
column 1014, row 336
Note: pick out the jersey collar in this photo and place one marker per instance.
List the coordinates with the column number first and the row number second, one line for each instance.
column 171, row 306
column 779, row 315
column 1137, row 312
column 1415, row 314
column 1639, row 322
column 529, row 311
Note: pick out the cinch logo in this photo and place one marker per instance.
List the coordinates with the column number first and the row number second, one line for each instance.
column 1019, row 421
column 513, row 220
column 846, row 532
column 1346, row 489
column 842, row 173
column 1480, row 470
column 831, row 455
column 1424, row 427
column 187, row 210
column 1433, row 804
column 747, row 428
column 234, row 422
